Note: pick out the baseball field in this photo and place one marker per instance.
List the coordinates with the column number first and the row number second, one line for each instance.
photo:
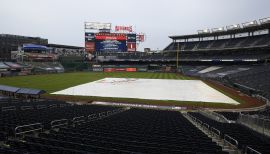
column 53, row 83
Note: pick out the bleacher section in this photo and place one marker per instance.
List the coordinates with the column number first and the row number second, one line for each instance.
column 251, row 79
column 131, row 131
column 17, row 114
column 230, row 115
column 224, row 44
column 244, row 136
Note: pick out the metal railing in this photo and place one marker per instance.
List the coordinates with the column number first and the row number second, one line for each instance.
column 9, row 108
column 59, row 123
column 231, row 141
column 41, row 107
column 249, row 150
column 27, row 107
column 79, row 119
column 259, row 124
column 28, row 128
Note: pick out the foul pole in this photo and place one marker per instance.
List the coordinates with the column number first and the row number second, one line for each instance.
column 177, row 56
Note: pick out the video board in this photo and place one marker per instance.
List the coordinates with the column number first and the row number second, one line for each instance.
column 111, row 42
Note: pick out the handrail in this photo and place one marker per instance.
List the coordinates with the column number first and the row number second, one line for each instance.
column 252, row 151
column 92, row 116
column 102, row 114
column 226, row 137
column 53, row 106
column 215, row 131
column 109, row 112
column 9, row 108
column 63, row 105
column 78, row 119
column 27, row 107
column 60, row 122
column 205, row 125
column 41, row 106
column 40, row 127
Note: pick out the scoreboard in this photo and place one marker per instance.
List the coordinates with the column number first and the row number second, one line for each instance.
column 110, row 42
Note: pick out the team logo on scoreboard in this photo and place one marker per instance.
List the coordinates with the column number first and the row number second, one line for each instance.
column 123, row 28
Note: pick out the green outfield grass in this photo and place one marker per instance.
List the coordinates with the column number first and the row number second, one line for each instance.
column 56, row 82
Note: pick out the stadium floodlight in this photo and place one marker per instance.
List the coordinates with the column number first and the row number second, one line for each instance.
column 233, row 27
column 221, row 29
column 265, row 20
column 205, row 31
column 250, row 24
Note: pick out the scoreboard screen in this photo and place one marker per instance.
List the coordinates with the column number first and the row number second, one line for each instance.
column 111, row 46
column 111, row 42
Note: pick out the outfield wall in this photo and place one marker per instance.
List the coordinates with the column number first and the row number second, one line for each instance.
column 119, row 69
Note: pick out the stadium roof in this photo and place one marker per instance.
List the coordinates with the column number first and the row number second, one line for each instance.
column 228, row 32
column 64, row 46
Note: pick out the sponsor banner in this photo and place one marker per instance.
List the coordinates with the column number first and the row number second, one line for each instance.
column 100, row 69
column 97, row 25
column 111, row 36
column 120, row 69
column 131, row 38
column 131, row 46
column 111, row 46
column 140, row 37
column 123, row 28
column 109, row 69
column 131, row 69
column 142, row 69
column 90, row 46
column 89, row 37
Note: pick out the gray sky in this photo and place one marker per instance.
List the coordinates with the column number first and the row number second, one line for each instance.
column 61, row 21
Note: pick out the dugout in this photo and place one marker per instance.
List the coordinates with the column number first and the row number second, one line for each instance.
column 21, row 93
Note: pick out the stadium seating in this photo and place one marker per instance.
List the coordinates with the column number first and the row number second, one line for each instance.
column 244, row 136
column 44, row 113
column 132, row 131
column 242, row 42
column 230, row 115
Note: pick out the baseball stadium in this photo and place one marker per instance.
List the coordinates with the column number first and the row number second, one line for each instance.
column 204, row 92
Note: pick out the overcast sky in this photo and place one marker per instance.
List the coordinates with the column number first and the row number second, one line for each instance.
column 62, row 21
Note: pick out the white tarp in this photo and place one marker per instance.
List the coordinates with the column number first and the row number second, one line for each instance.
column 152, row 89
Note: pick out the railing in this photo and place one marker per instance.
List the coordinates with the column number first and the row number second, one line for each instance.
column 41, row 107
column 28, row 128
column 59, row 123
column 231, row 141
column 102, row 114
column 249, row 150
column 79, row 119
column 215, row 116
column 53, row 106
column 92, row 116
column 27, row 107
column 215, row 132
column 9, row 108
column 256, row 123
